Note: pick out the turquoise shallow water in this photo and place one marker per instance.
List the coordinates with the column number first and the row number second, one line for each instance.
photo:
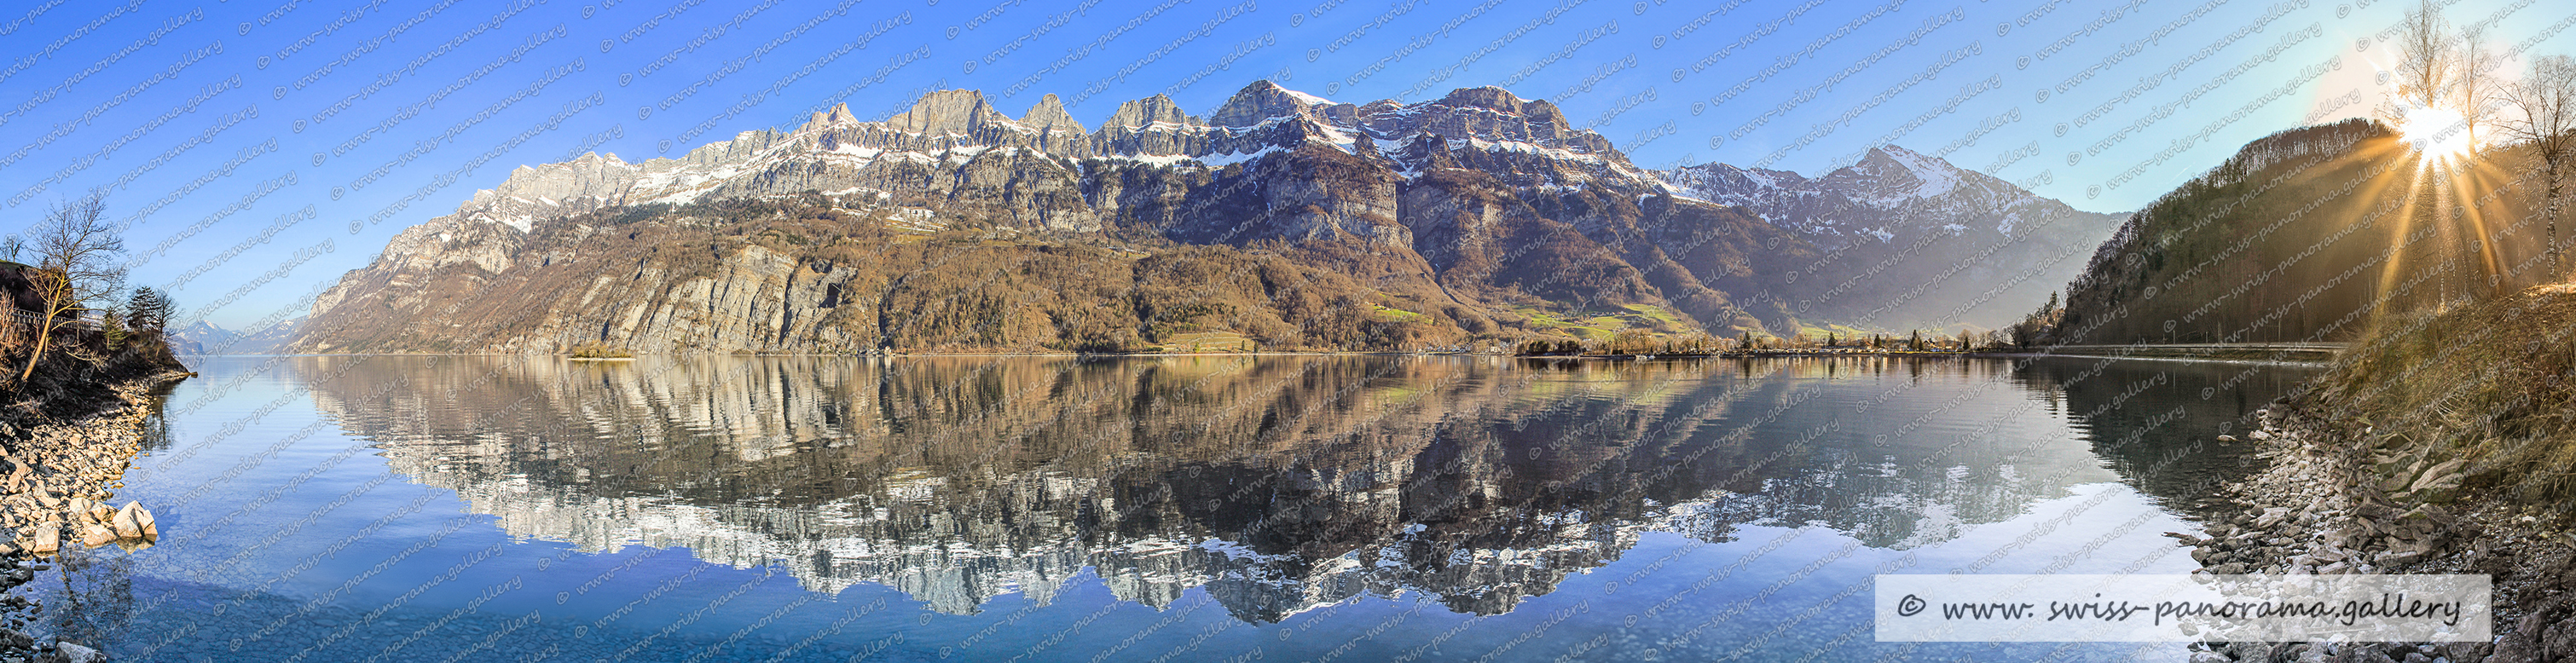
column 1138, row 509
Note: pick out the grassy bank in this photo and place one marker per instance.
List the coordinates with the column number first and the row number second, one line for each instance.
column 2477, row 400
column 2440, row 442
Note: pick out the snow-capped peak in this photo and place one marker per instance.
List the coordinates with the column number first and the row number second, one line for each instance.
column 1311, row 100
column 1889, row 189
column 1934, row 176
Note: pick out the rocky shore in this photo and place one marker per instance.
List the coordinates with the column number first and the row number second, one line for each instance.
column 2336, row 501
column 58, row 478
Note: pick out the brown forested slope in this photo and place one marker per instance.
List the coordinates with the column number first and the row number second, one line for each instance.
column 2305, row 235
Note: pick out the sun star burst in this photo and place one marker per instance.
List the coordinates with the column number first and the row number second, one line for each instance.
column 2436, row 132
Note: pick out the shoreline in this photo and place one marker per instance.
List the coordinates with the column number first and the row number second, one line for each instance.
column 2249, row 353
column 2330, row 502
column 60, row 476
column 1149, row 355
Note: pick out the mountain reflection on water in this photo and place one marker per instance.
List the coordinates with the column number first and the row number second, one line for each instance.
column 1276, row 483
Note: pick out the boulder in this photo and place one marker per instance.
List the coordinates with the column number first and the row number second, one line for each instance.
column 95, row 535
column 125, row 523
column 65, row 652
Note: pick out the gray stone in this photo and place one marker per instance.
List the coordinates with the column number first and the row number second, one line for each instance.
column 65, row 652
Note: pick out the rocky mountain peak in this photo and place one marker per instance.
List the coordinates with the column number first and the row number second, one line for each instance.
column 1493, row 115
column 1049, row 114
column 546, row 190
column 1263, row 101
column 839, row 115
column 1149, row 110
column 948, row 112
column 1503, row 101
column 1489, row 97
column 1892, row 170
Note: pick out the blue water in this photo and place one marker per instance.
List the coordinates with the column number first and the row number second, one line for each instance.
column 1145, row 509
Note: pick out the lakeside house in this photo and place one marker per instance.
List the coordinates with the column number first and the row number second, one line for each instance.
column 26, row 303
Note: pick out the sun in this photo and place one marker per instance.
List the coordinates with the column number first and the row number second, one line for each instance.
column 2436, row 131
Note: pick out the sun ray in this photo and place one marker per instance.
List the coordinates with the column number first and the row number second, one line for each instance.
column 2492, row 216
column 2441, row 134
column 2404, row 244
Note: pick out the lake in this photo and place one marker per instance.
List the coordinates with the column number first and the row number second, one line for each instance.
column 1207, row 508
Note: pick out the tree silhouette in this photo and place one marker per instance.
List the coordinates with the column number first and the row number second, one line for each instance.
column 2547, row 99
column 148, row 310
column 75, row 247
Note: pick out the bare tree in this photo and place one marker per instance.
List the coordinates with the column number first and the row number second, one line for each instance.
column 2423, row 71
column 2425, row 59
column 2547, row 100
column 76, row 246
column 2476, row 82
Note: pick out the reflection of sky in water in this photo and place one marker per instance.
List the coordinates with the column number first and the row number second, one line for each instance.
column 1371, row 506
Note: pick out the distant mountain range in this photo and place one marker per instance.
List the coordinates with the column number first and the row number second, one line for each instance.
column 204, row 338
column 1279, row 221
column 1908, row 240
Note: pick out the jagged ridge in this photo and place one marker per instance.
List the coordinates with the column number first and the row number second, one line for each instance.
column 1486, row 215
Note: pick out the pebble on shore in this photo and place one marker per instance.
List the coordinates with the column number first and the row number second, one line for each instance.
column 2376, row 505
column 56, row 478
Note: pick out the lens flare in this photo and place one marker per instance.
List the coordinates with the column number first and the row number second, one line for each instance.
column 2436, row 132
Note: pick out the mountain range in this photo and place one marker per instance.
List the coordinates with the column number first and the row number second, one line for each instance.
column 204, row 338
column 1279, row 221
column 1909, row 241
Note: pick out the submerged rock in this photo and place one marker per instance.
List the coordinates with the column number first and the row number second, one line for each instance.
column 65, row 652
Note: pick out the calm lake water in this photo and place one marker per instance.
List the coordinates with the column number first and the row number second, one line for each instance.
column 1194, row 509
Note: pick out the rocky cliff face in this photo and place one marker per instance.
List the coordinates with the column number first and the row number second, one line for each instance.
column 1476, row 216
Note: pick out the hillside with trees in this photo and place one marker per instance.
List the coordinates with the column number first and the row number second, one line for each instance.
column 2449, row 195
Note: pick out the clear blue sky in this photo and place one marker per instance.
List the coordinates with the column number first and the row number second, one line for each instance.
column 263, row 147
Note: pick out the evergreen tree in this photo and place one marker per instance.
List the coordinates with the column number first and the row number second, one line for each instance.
column 148, row 310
